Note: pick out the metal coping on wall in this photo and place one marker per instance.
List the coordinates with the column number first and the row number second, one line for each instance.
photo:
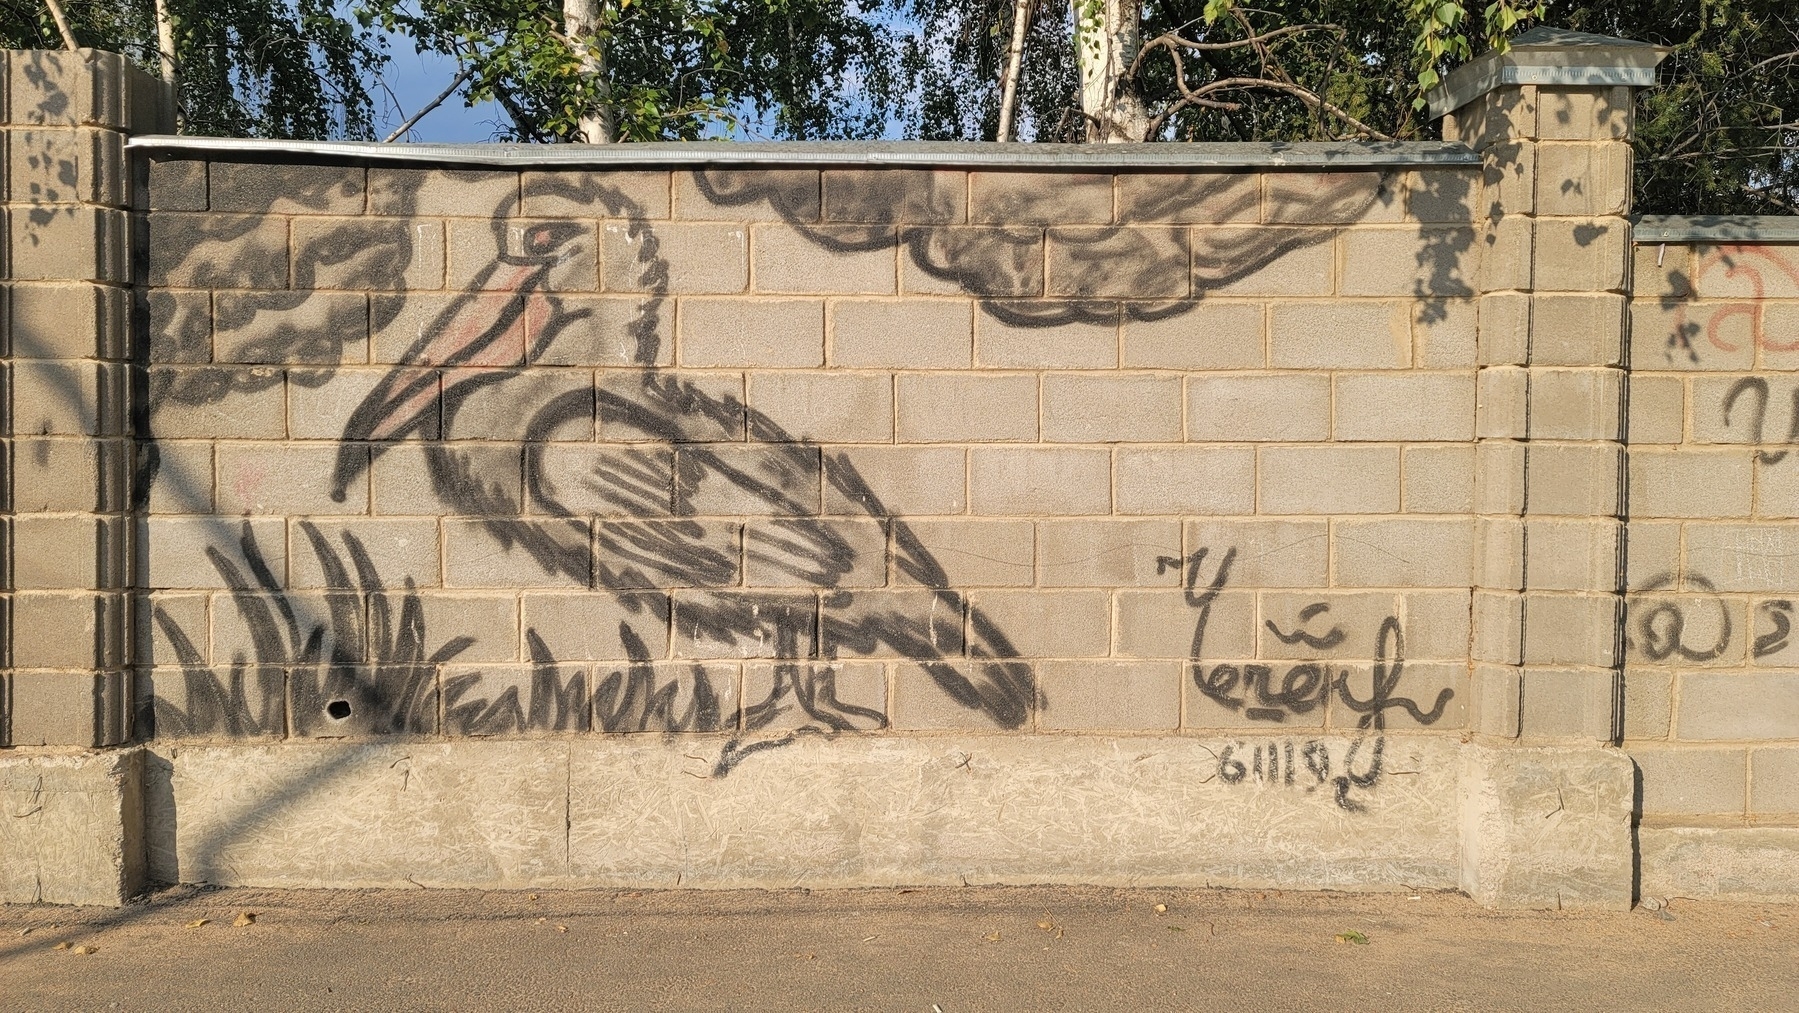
column 1326, row 155
column 1550, row 56
column 1717, row 229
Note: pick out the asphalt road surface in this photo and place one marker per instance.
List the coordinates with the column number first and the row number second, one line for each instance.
column 954, row 950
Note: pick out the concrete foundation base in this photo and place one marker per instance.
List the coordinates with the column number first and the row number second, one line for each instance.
column 1371, row 814
column 71, row 827
column 1727, row 863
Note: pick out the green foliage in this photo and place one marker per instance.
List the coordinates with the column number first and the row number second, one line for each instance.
column 675, row 69
column 255, row 68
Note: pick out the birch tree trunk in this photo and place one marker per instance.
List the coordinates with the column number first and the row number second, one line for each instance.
column 1106, row 43
column 580, row 21
column 1008, row 86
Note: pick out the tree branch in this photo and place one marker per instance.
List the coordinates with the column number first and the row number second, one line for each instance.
column 455, row 83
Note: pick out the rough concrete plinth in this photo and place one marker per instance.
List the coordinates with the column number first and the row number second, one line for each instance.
column 71, row 826
column 653, row 812
column 1547, row 827
column 1728, row 863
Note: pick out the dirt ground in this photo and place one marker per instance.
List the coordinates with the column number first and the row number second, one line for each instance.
column 948, row 950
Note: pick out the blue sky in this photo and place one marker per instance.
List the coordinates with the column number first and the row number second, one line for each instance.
column 415, row 80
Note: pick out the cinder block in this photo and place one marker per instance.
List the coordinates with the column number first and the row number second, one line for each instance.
column 1742, row 557
column 1267, row 553
column 1689, row 781
column 433, row 330
column 1689, row 630
column 1572, row 555
column 1027, row 481
column 1404, row 553
column 82, row 165
column 1714, row 705
column 1733, row 271
column 1050, row 624
column 1499, row 559
column 1505, row 323
column 1185, row 480
column 1340, row 335
column 180, row 326
column 70, row 243
column 972, row 260
column 1438, row 480
column 1162, row 624
column 824, row 407
column 516, row 700
column 183, row 481
column 1493, row 700
column 1437, row 624
column 636, row 406
column 1567, row 704
column 1108, row 553
column 1686, row 335
column 1585, row 113
column 1331, row 197
column 574, row 479
column 1428, row 685
column 173, row 552
column 688, row 258
column 599, row 625
column 1575, row 404
column 1581, row 256
column 1414, row 407
column 614, row 193
column 52, row 398
column 443, row 193
column 1662, row 272
column 1006, row 698
column 196, row 703
column 1499, row 471
column 90, row 711
column 950, row 407
column 598, row 331
column 1498, row 627
column 318, row 328
column 177, row 184
column 1653, row 554
column 261, row 189
column 815, row 553
column 1733, row 410
column 747, row 195
column 1648, row 703
column 1047, row 334
column 75, row 631
column 1117, row 695
column 1570, row 629
column 62, row 88
column 69, row 475
column 1508, row 243
column 1420, row 261
column 1206, row 335
column 895, row 195
column 67, row 553
column 484, row 404
column 865, row 333
column 896, row 481
column 1138, row 262
column 1774, row 781
column 1114, row 408
column 741, row 332
column 504, row 254
column 1281, row 408
column 1443, row 195
column 780, row 697
column 744, row 624
column 343, row 701
column 825, row 259
column 1573, row 479
column 1691, row 483
column 327, row 410
column 1309, row 625
column 1257, row 261
column 286, row 478
column 207, row 402
column 755, row 481
column 369, row 254
column 1189, row 198
column 74, row 321
column 1577, row 330
column 1583, row 179
column 1445, row 334
column 1040, row 198
column 401, row 551
column 473, row 557
column 329, row 628
column 964, row 552
column 468, row 627
column 217, row 251
column 1328, row 480
column 911, row 623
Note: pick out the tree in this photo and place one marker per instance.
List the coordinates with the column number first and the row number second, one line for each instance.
column 645, row 70
column 256, row 68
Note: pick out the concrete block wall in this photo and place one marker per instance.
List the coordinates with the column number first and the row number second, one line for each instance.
column 884, row 450
column 1712, row 702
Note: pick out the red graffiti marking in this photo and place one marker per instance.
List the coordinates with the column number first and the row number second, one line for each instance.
column 1746, row 263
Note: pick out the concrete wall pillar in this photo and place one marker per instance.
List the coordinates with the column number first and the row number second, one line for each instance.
column 1552, row 119
column 68, row 460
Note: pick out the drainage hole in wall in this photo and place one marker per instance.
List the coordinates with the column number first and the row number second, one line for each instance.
column 338, row 709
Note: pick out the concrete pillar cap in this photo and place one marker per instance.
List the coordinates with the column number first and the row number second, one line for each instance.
column 1550, row 56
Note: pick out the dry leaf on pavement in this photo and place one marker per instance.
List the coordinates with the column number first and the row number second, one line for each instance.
column 197, row 922
column 247, row 918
